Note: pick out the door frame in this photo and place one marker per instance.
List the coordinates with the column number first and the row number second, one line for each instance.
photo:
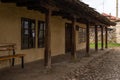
column 68, row 44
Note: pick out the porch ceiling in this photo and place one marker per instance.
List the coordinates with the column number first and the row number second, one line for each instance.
column 66, row 9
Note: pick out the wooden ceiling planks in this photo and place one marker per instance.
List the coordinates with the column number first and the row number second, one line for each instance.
column 65, row 8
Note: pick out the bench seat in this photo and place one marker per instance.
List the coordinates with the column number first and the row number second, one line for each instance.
column 8, row 57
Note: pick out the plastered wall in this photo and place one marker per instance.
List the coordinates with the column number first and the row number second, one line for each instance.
column 10, row 32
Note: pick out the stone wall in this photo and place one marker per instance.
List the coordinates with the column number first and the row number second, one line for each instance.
column 111, row 35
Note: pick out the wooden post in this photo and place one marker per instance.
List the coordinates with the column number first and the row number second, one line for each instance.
column 96, row 38
column 73, row 52
column 117, row 8
column 47, row 54
column 106, row 37
column 102, row 41
column 87, row 39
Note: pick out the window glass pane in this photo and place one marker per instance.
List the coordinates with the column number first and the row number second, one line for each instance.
column 33, row 33
column 26, row 32
column 25, row 24
column 33, row 25
column 41, row 31
column 41, row 26
column 41, row 34
column 44, row 27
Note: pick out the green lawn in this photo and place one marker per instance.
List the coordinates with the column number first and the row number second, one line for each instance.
column 92, row 45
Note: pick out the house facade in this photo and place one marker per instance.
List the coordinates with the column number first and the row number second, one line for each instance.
column 41, row 31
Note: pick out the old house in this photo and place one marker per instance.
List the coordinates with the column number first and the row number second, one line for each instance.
column 114, row 33
column 44, row 28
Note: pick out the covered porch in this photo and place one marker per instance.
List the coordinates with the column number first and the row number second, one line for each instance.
column 75, row 12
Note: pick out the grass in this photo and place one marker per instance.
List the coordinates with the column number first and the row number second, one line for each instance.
column 92, row 45
column 113, row 45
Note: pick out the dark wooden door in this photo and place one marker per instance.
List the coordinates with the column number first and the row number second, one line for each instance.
column 68, row 37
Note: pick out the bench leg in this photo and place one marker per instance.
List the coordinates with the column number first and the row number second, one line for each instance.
column 13, row 61
column 22, row 62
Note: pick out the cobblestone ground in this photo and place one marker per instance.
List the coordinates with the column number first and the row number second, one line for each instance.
column 106, row 67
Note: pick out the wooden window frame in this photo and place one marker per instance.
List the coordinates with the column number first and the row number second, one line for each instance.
column 29, row 33
column 41, row 40
column 81, row 35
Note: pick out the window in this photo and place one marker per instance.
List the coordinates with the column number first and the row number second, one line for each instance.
column 27, row 33
column 41, row 34
column 82, row 35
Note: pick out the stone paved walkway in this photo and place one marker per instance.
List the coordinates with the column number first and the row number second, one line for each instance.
column 103, row 65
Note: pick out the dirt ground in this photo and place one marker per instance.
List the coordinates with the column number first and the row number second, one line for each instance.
column 63, row 68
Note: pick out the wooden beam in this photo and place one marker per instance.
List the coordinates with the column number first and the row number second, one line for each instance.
column 106, row 37
column 73, row 52
column 87, row 39
column 14, row 1
column 47, row 54
column 102, row 39
column 96, row 38
column 72, row 7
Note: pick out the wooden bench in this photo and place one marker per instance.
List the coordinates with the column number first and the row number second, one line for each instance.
column 8, row 57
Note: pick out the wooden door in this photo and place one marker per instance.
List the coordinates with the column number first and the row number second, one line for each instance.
column 68, row 37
